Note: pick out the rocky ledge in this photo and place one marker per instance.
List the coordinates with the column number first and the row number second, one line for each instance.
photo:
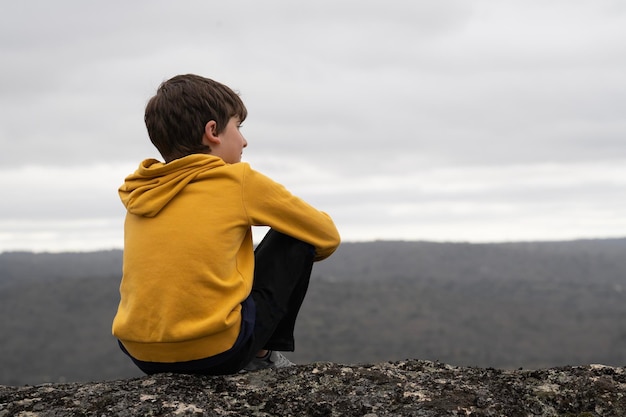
column 406, row 388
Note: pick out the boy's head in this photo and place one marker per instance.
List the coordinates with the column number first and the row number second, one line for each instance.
column 177, row 115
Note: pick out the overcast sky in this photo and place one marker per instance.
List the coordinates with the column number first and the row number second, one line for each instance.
column 443, row 120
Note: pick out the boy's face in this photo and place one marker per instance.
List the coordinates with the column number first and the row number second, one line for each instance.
column 231, row 142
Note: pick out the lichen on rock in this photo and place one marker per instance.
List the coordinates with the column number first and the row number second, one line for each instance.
column 405, row 388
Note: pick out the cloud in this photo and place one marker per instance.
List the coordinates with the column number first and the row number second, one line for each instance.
column 402, row 119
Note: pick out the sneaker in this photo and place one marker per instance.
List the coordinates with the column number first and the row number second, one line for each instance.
column 273, row 359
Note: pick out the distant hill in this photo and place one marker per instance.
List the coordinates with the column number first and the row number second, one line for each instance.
column 29, row 267
column 511, row 305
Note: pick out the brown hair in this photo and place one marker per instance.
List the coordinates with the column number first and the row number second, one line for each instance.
column 176, row 116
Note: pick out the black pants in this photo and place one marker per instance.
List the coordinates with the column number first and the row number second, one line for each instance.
column 281, row 278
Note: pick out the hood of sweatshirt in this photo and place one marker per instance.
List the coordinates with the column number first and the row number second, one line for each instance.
column 155, row 184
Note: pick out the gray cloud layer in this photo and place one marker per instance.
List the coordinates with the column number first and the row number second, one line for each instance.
column 454, row 120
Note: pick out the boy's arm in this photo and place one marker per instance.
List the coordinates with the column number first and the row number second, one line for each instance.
column 268, row 203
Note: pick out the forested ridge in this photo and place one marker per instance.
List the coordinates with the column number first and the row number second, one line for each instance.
column 529, row 305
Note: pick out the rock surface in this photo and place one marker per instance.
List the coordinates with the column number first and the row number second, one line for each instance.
column 406, row 388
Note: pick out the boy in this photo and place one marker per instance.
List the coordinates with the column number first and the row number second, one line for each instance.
column 195, row 296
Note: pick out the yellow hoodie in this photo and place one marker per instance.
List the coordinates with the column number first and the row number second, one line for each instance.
column 188, row 253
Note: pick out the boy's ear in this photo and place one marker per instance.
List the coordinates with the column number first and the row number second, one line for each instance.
column 210, row 136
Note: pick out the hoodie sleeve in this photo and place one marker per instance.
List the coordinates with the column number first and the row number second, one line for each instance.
column 268, row 203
